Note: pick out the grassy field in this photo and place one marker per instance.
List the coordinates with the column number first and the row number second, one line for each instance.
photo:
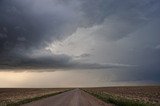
column 17, row 96
column 128, row 96
column 121, row 96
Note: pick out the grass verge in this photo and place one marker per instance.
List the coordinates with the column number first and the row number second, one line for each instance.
column 34, row 99
column 118, row 101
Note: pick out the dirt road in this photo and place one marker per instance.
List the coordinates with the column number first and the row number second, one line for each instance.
column 74, row 97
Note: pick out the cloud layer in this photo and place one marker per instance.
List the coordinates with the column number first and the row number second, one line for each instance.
column 82, row 34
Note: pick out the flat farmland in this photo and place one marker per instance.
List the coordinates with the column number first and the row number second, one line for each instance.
column 10, row 96
column 98, row 96
column 142, row 94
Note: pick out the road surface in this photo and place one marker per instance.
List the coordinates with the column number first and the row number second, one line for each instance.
column 74, row 97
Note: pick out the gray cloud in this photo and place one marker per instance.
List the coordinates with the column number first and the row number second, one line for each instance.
column 84, row 55
column 36, row 25
column 29, row 25
column 40, row 22
column 157, row 47
column 128, row 17
column 51, row 61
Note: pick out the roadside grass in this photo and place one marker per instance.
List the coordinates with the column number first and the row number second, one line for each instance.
column 118, row 101
column 34, row 99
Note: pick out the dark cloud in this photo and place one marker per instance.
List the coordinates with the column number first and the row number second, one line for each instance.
column 27, row 25
column 51, row 61
column 30, row 25
column 126, row 18
column 84, row 55
column 22, row 21
column 139, row 74
column 157, row 47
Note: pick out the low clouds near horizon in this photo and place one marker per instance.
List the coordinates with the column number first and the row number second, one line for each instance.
column 82, row 34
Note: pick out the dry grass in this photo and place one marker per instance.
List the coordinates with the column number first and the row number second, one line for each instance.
column 15, row 95
column 143, row 94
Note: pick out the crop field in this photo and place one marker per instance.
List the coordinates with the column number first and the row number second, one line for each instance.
column 13, row 96
column 142, row 95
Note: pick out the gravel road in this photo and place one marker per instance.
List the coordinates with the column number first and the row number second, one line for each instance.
column 74, row 97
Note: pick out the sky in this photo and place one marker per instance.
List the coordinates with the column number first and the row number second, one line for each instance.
column 67, row 43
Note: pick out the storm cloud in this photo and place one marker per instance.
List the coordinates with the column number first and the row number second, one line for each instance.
column 122, row 36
